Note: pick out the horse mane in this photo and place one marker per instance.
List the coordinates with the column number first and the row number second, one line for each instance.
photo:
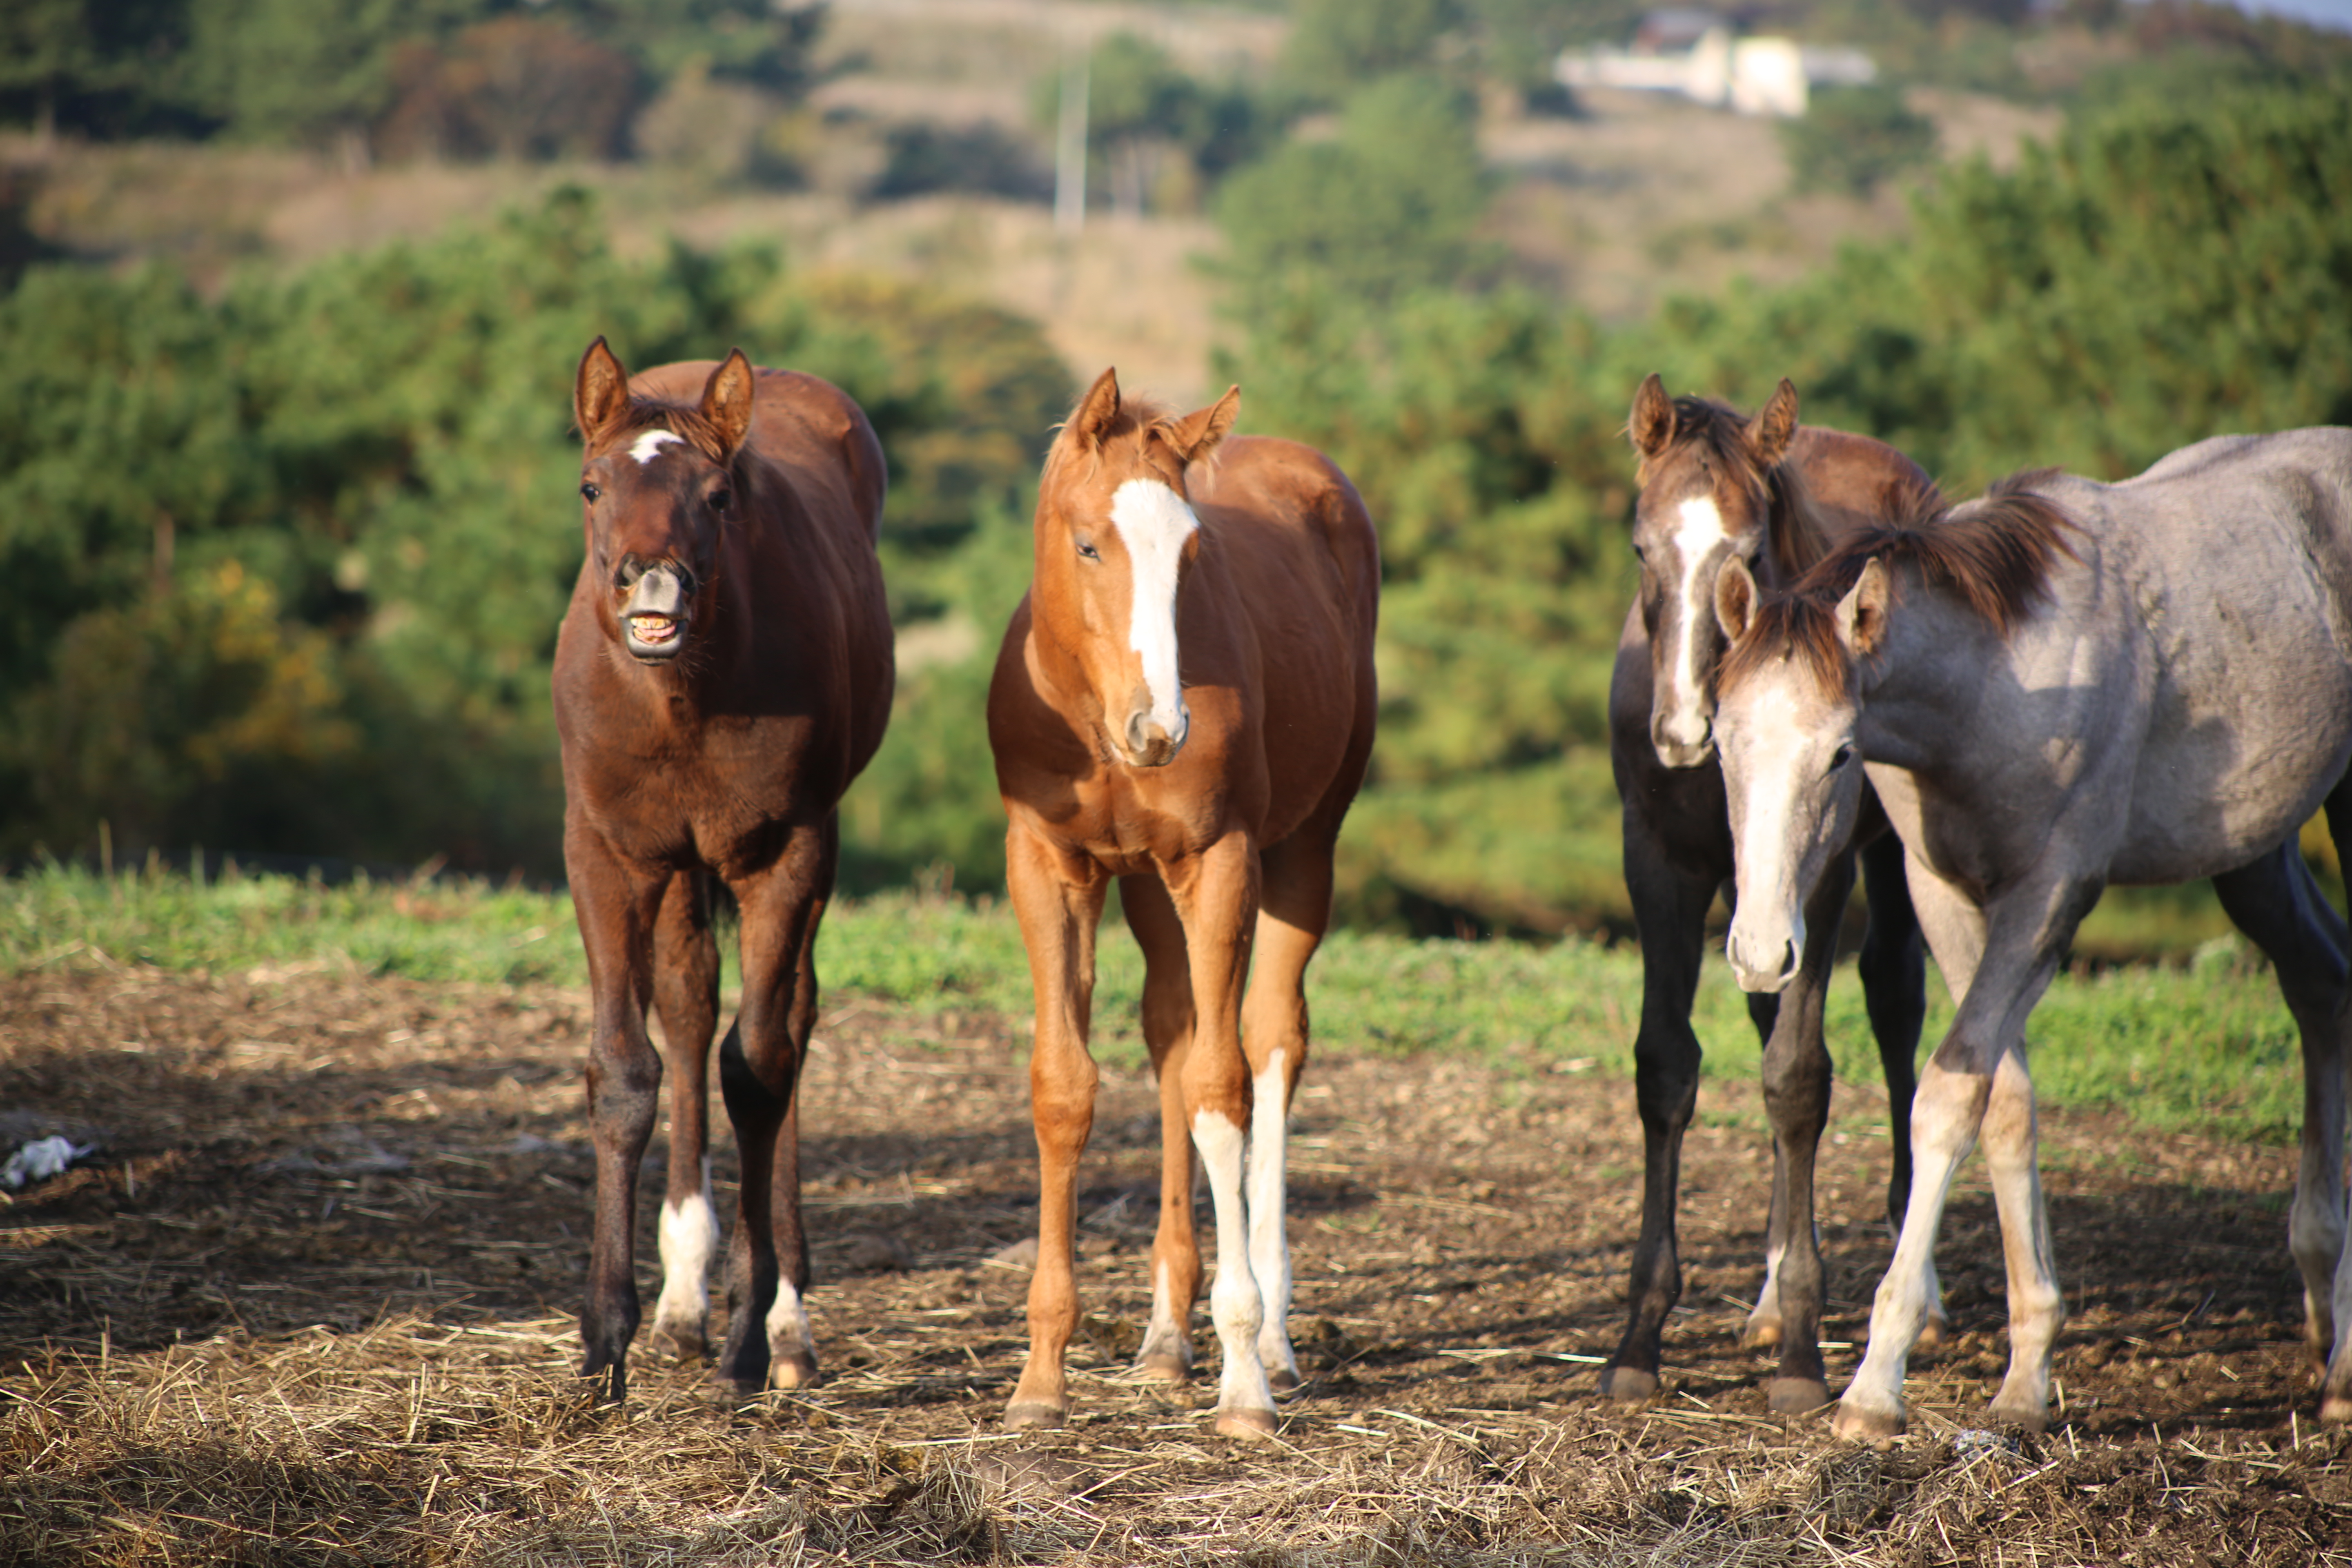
column 1994, row 555
column 1797, row 534
column 1138, row 417
column 684, row 419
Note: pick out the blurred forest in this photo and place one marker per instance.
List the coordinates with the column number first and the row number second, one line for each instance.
column 297, row 538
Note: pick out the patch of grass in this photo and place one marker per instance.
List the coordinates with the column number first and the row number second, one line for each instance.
column 464, row 932
column 2208, row 1047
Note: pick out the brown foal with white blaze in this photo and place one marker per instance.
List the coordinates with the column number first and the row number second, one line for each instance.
column 1183, row 702
column 724, row 671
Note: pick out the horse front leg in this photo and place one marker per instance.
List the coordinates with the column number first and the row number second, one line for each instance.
column 685, row 1000
column 1058, row 897
column 615, row 904
column 1796, row 1072
column 1977, row 1083
column 1293, row 910
column 1893, row 969
column 1167, row 1350
column 769, row 1340
column 1670, row 905
column 1216, row 894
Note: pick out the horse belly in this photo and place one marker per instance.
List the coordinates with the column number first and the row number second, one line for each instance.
column 2246, row 764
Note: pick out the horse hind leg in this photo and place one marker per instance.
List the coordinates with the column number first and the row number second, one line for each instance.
column 2277, row 904
column 1166, row 1354
column 686, row 1001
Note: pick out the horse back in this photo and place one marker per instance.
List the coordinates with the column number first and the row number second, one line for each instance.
column 1849, row 478
column 1296, row 548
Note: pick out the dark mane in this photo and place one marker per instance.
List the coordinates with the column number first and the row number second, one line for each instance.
column 1994, row 555
column 659, row 413
column 1793, row 524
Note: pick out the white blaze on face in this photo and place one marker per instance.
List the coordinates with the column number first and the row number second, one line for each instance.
column 1773, row 753
column 1155, row 524
column 649, row 445
column 1700, row 530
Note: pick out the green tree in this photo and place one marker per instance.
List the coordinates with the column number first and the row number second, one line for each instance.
column 374, row 455
column 303, row 71
column 1851, row 140
column 1385, row 207
column 1339, row 45
column 85, row 66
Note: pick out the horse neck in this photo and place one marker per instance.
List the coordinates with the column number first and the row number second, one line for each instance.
column 1920, row 689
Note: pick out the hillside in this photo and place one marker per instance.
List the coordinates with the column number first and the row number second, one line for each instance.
column 1641, row 197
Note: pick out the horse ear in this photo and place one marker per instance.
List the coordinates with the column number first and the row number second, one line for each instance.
column 1652, row 422
column 1092, row 417
column 727, row 402
column 1199, row 433
column 1775, row 425
column 1734, row 599
column 1862, row 613
column 600, row 393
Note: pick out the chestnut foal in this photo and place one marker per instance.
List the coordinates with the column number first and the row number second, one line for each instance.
column 1184, row 701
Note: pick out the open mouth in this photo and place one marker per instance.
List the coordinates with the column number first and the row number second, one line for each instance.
column 655, row 637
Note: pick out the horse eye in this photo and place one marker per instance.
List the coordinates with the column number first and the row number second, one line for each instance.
column 720, row 499
column 1844, row 755
column 590, row 493
column 1087, row 552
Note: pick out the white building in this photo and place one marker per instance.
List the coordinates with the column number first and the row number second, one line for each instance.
column 1749, row 76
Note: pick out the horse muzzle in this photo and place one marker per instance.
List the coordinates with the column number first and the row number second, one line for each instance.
column 1147, row 743
column 1683, row 742
column 658, row 612
column 1763, row 964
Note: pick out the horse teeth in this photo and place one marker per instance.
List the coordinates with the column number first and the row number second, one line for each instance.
column 652, row 629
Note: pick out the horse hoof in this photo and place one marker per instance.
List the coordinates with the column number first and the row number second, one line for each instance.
column 680, row 1341
column 608, row 1383
column 1863, row 1423
column 1934, row 1335
column 2034, row 1418
column 1282, row 1379
column 1761, row 1334
column 1033, row 1415
column 1245, row 1423
column 792, row 1371
column 1628, row 1385
column 2335, row 1410
column 1795, row 1396
column 1163, row 1367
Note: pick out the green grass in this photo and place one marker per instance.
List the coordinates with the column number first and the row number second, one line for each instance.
column 2206, row 1046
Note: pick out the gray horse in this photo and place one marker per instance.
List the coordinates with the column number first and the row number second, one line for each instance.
column 2061, row 686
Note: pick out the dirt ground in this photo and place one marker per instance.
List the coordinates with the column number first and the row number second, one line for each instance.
column 312, row 1301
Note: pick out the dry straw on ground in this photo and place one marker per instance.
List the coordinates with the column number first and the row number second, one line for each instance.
column 310, row 1304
